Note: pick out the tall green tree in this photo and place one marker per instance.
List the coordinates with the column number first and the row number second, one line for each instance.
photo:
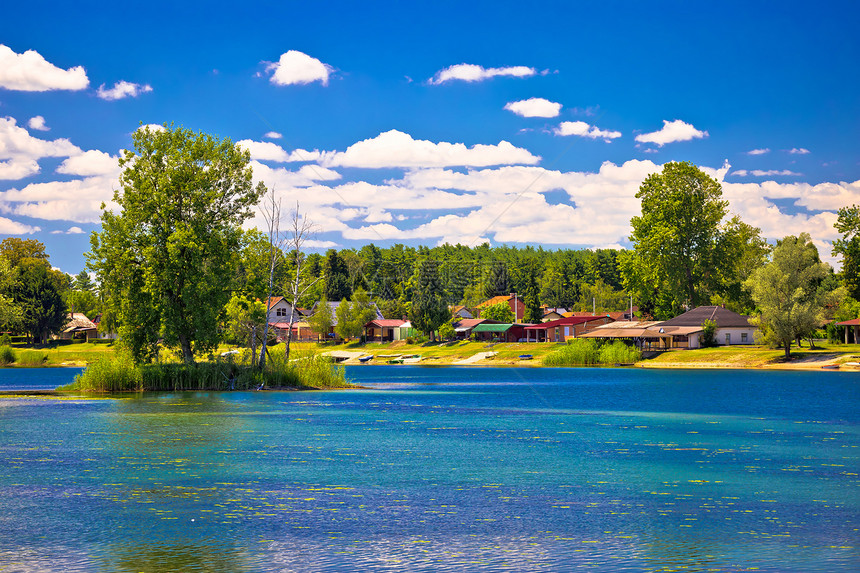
column 10, row 312
column 322, row 319
column 500, row 311
column 337, row 285
column 676, row 240
column 429, row 308
column 37, row 292
column 167, row 257
column 352, row 316
column 848, row 247
column 788, row 292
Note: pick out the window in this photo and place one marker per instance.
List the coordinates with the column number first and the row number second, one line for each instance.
column 743, row 336
column 728, row 338
column 280, row 312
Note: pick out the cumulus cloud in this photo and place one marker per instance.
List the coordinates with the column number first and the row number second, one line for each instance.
column 761, row 151
column 534, row 107
column 272, row 135
column 10, row 227
column 671, row 132
column 122, row 89
column 475, row 73
column 78, row 200
column 296, row 68
column 20, row 152
column 798, row 151
column 30, row 72
column 582, row 129
column 268, row 151
column 761, row 173
column 91, row 163
column 397, row 149
column 38, row 123
column 70, row 231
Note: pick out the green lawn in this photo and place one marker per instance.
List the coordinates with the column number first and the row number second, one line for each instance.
column 757, row 356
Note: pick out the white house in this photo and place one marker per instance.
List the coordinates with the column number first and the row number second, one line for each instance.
column 732, row 328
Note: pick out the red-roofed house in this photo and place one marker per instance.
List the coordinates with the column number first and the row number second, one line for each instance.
column 853, row 326
column 516, row 303
column 564, row 328
column 381, row 329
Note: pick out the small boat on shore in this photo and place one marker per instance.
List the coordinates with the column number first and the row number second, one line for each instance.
column 365, row 359
column 526, row 356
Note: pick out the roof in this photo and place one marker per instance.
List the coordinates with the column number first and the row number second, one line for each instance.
column 273, row 301
column 385, row 323
column 468, row 323
column 78, row 321
column 568, row 320
column 487, row 327
column 852, row 322
column 495, row 300
column 722, row 316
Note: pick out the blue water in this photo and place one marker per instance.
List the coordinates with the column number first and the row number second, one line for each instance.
column 442, row 469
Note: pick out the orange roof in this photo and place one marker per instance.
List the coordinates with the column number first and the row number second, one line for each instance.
column 274, row 300
column 495, row 300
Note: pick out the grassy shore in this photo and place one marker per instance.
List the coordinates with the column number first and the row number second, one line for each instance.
column 824, row 354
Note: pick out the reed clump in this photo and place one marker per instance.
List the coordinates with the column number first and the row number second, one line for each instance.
column 118, row 373
column 589, row 352
column 32, row 358
column 7, row 355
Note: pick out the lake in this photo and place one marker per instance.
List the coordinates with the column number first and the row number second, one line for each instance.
column 440, row 469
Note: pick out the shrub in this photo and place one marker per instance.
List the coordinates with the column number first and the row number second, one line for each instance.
column 618, row 352
column 5, row 339
column 709, row 334
column 32, row 358
column 7, row 355
column 588, row 351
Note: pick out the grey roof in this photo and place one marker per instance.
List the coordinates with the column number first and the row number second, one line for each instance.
column 722, row 316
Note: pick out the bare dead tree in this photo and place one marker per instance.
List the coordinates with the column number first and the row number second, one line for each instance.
column 301, row 229
column 271, row 212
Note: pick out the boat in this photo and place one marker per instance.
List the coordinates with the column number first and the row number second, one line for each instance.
column 525, row 357
column 830, row 367
column 365, row 359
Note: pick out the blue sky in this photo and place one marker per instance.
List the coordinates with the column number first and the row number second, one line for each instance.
column 516, row 123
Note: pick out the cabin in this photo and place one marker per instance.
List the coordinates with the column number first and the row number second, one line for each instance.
column 382, row 330
column 492, row 331
column 565, row 328
column 686, row 329
column 79, row 327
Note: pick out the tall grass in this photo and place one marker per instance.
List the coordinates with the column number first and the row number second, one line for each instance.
column 118, row 373
column 588, row 351
column 7, row 355
column 32, row 358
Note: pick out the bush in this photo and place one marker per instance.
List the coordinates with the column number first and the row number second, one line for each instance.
column 7, row 355
column 5, row 339
column 32, row 358
column 588, row 351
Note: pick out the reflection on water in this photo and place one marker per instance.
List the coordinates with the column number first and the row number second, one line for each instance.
column 485, row 469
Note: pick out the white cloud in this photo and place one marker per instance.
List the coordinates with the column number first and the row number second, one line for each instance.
column 318, row 244
column 534, row 107
column 89, row 163
column 475, row 73
column 798, row 151
column 296, row 67
column 397, row 149
column 10, row 227
column 761, row 151
column 761, row 173
column 269, row 151
column 38, row 123
column 671, row 132
column 78, row 200
column 70, row 231
column 272, row 135
column 20, row 152
column 32, row 73
column 18, row 168
column 582, row 129
column 122, row 89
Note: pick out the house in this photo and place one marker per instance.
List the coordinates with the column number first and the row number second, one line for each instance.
column 686, row 329
column 404, row 331
column 488, row 331
column 516, row 303
column 333, row 306
column 551, row 314
column 852, row 326
column 279, row 310
column 465, row 327
column 382, row 329
column 460, row 311
column 564, row 328
column 79, row 327
column 646, row 335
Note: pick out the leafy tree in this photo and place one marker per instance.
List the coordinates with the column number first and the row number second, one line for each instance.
column 676, row 240
column 37, row 293
column 10, row 313
column 16, row 250
column 167, row 258
column 322, row 319
column 787, row 292
column 429, row 308
column 82, row 301
column 500, row 311
column 337, row 284
column 352, row 316
column 83, row 282
column 446, row 331
column 245, row 321
column 848, row 223
column 709, row 334
column 601, row 297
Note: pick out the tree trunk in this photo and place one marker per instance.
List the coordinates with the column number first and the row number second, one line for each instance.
column 787, row 345
column 187, row 354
